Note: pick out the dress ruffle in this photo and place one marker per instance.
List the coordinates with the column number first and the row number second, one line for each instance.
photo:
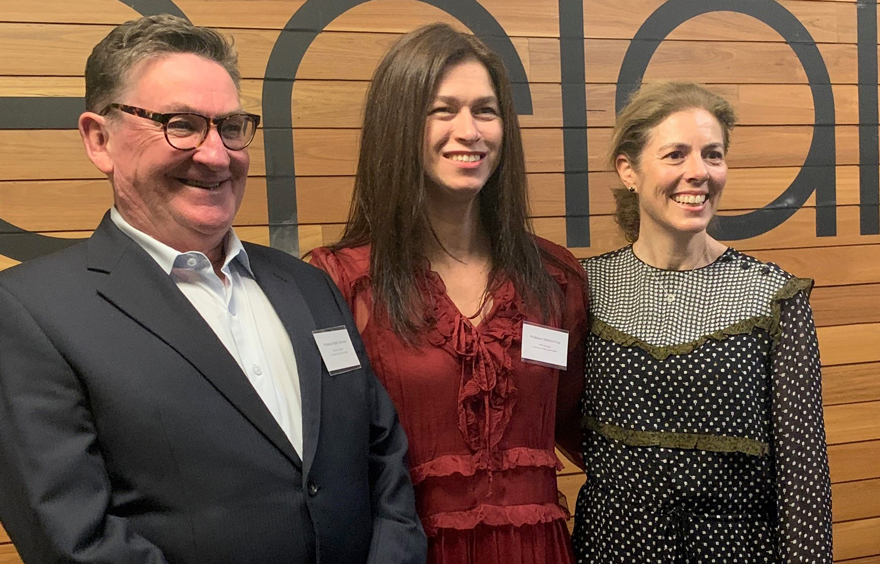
column 493, row 515
column 487, row 394
column 468, row 465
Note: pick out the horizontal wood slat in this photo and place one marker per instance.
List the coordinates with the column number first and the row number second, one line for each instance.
column 850, row 383
column 8, row 555
column 856, row 539
column 829, row 266
column 853, row 422
column 720, row 62
column 825, row 21
column 532, row 18
column 846, row 304
column 854, row 461
column 61, row 50
column 6, row 262
column 867, row 559
column 338, row 104
column 848, row 344
column 856, row 500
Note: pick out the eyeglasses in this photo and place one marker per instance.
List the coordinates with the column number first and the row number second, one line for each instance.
column 186, row 130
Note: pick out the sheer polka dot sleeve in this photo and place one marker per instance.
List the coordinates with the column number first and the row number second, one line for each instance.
column 803, row 485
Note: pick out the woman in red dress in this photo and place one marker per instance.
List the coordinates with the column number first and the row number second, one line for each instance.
column 442, row 272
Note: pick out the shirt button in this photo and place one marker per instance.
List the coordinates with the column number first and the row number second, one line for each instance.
column 192, row 261
column 313, row 488
column 257, row 370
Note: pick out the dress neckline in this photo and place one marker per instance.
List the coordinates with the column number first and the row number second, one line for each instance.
column 720, row 258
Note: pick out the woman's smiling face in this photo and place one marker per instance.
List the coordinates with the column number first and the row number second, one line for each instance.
column 463, row 132
column 680, row 174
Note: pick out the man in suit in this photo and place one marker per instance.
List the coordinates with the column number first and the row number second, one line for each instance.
column 162, row 395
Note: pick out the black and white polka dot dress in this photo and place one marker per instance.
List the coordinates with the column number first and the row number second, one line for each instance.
column 703, row 409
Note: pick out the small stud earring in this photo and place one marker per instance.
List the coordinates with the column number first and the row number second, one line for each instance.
column 632, row 188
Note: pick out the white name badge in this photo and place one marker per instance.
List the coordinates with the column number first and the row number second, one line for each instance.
column 544, row 345
column 336, row 350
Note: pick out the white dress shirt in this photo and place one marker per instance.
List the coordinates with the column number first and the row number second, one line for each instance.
column 241, row 316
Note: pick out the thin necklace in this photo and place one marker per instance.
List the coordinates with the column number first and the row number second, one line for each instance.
column 672, row 294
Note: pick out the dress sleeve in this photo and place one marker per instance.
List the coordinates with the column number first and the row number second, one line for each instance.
column 802, row 480
column 569, row 435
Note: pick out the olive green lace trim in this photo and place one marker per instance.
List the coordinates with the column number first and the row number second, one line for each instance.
column 769, row 323
column 689, row 441
column 791, row 287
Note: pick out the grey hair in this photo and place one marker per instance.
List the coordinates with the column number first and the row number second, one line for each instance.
column 130, row 43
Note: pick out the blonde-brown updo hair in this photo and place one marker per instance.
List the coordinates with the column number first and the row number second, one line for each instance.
column 647, row 108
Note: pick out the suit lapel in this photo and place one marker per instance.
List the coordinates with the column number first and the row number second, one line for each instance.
column 286, row 298
column 138, row 287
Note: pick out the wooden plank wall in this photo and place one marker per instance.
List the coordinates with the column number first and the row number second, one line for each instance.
column 47, row 185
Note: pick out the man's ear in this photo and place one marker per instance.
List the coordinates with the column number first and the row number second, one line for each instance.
column 625, row 170
column 94, row 133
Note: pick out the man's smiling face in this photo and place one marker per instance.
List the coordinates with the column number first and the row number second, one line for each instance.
column 185, row 199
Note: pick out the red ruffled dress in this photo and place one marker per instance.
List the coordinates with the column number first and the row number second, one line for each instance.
column 480, row 421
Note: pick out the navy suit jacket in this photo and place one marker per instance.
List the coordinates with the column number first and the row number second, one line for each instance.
column 129, row 435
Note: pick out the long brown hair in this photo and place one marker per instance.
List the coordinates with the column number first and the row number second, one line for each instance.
column 388, row 209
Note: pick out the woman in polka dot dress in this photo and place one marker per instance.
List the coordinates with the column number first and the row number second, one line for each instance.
column 702, row 403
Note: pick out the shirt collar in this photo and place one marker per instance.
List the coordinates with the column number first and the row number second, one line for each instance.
column 165, row 256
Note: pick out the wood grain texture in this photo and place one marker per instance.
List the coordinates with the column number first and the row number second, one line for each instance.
column 532, row 18
column 846, row 304
column 720, row 62
column 867, row 559
column 826, row 22
column 339, row 103
column 829, row 266
column 849, row 344
column 8, row 555
column 856, row 500
column 855, row 539
column 854, row 461
column 61, row 50
column 854, row 422
column 850, row 383
column 334, row 104
column 6, row 262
